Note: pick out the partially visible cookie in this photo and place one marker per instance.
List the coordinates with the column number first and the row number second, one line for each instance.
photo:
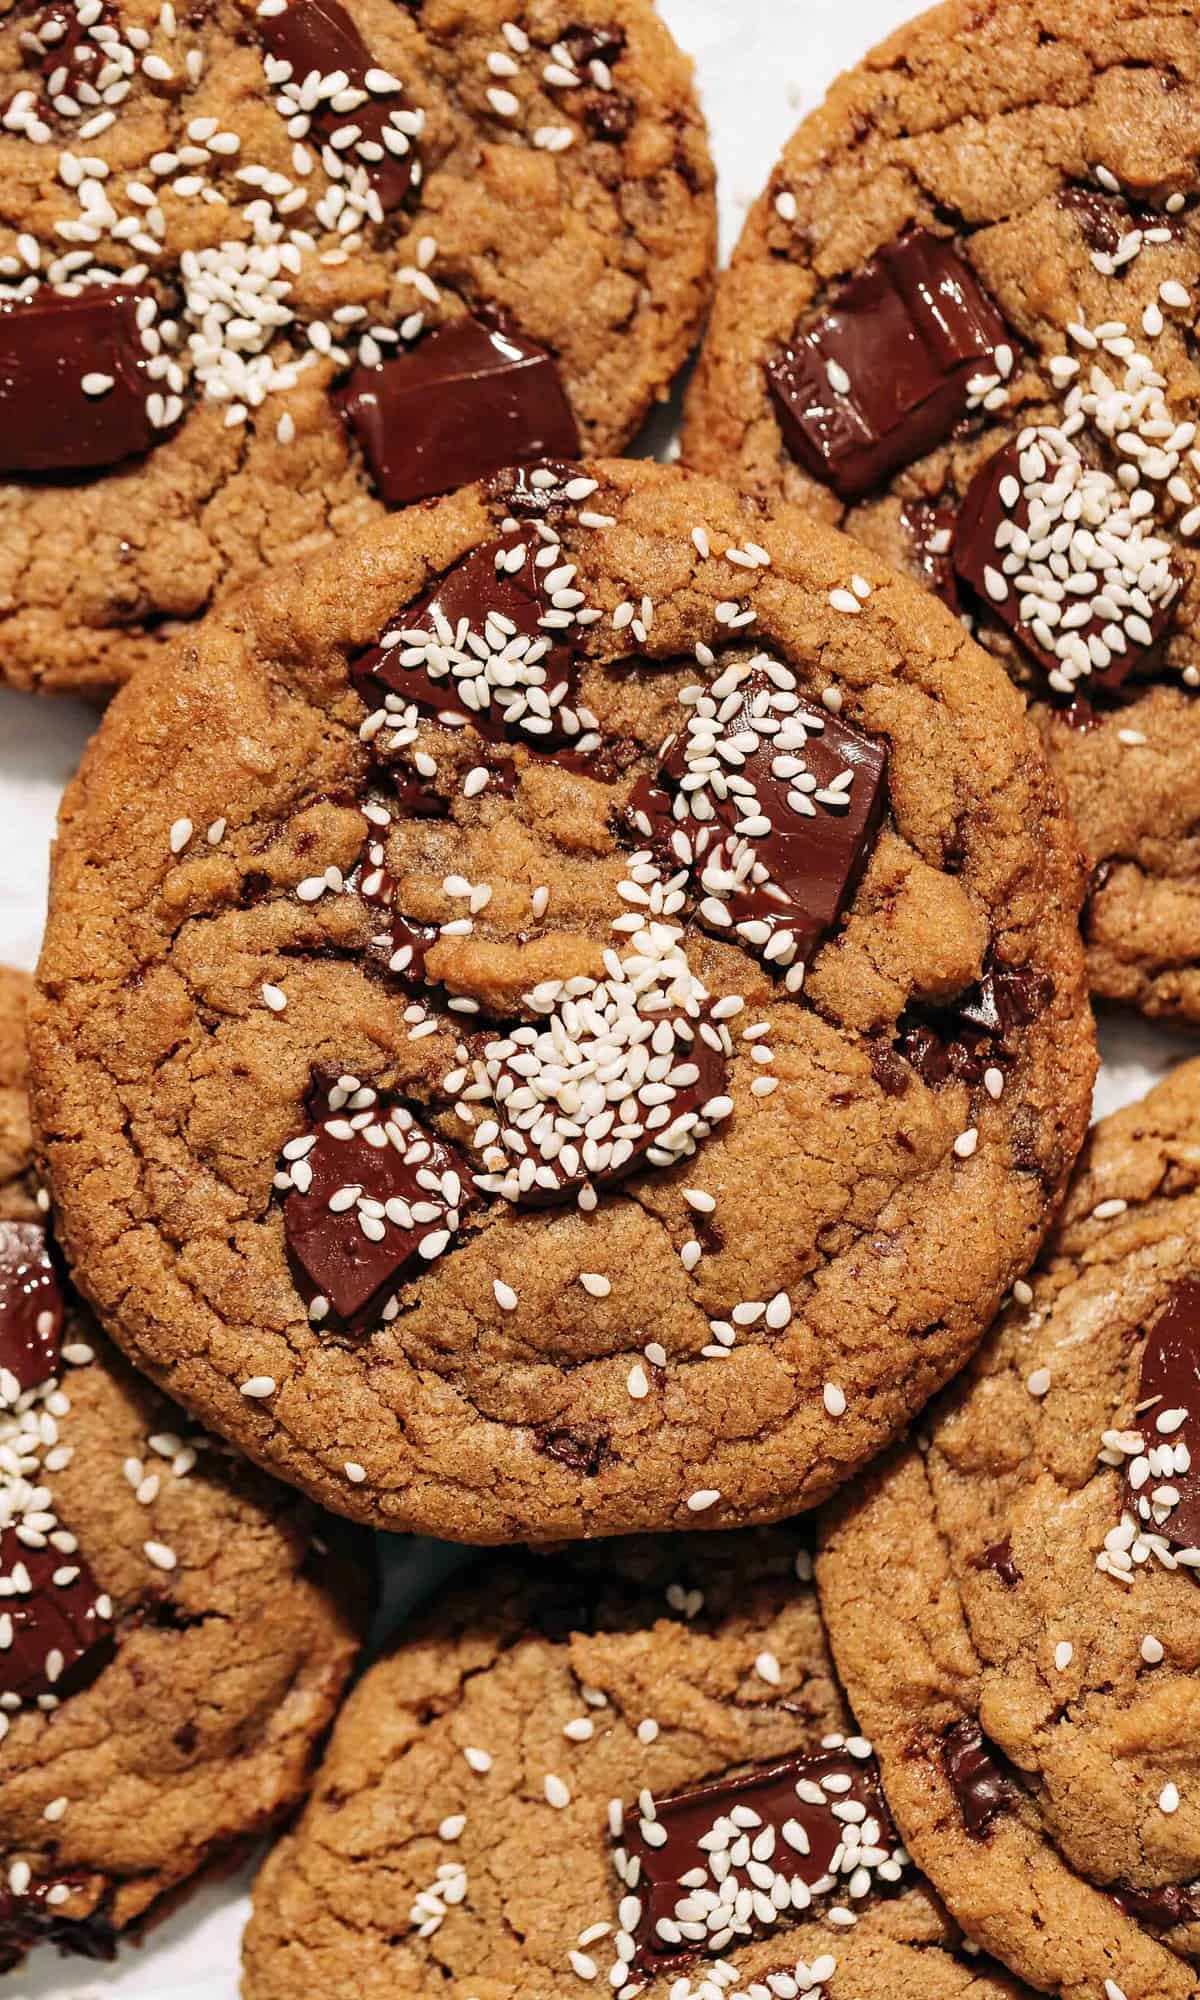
column 566, row 1015
column 959, row 324
column 513, row 1799
column 1013, row 1602
column 173, row 1643
column 268, row 266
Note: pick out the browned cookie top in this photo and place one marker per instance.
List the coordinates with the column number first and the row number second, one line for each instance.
column 169, row 1653
column 265, row 266
column 1015, row 1608
column 566, row 1014
column 625, row 1770
column 960, row 324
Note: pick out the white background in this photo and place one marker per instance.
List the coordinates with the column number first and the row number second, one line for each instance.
column 762, row 64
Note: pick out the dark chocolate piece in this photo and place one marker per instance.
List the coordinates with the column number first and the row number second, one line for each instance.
column 50, row 346
column 61, row 1623
column 976, row 1776
column 781, row 1827
column 778, row 835
column 1161, row 1908
column 372, row 1198
column 31, row 1308
column 469, row 397
column 475, row 649
column 1170, row 1382
column 883, row 373
column 320, row 36
column 976, row 1031
column 999, row 1559
column 402, row 949
column 32, row 1918
column 1123, row 634
column 930, row 531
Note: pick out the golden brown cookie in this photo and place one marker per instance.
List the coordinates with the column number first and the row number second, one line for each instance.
column 959, row 324
column 266, row 267
column 461, row 1094
column 512, row 1798
column 173, row 1642
column 1012, row 1601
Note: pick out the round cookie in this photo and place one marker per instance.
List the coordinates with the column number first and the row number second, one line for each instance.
column 274, row 265
column 665, row 1685
column 461, row 1096
column 959, row 325
column 170, row 1651
column 1013, row 1605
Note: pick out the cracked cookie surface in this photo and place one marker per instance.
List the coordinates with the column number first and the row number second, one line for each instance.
column 201, row 1644
column 558, row 177
column 713, row 1201
column 459, row 1836
column 1014, row 1609
column 1054, row 148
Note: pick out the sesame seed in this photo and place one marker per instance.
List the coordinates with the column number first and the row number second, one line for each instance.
column 480, row 1761
column 1152, row 1650
column 181, row 833
column 259, row 1386
column 595, row 1283
column 354, row 1472
column 557, row 1793
column 1064, row 1653
column 1168, row 1799
column 1038, row 1384
column 275, row 998
column 704, row 1498
column 834, row 1399
column 506, row 1298
column 160, row 1555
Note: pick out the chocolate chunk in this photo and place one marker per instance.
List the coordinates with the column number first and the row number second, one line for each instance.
column 73, row 381
column 978, row 1030
column 69, row 55
column 476, row 648
column 1170, row 1382
column 61, row 1622
column 778, row 834
column 1125, row 579
column 557, row 1129
column 371, row 1197
column 976, row 1775
column 1161, row 1908
column 778, row 1830
column 34, row 1918
column 1102, row 219
column 930, row 531
column 319, row 36
column 469, row 397
column 31, row 1309
column 589, row 45
column 535, row 492
column 884, row 372
column 402, row 949
column 579, row 1452
column 999, row 1559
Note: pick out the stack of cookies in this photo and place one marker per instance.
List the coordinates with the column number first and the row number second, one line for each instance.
column 564, row 1022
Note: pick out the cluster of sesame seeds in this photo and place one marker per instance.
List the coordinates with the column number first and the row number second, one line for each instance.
column 1153, row 1458
column 610, row 1078
column 237, row 338
column 447, row 1890
column 559, row 71
column 988, row 390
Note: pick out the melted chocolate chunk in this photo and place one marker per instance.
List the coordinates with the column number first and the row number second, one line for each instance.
column 960, row 1041
column 32, row 1918
column 1123, row 633
column 578, row 1451
column 62, row 1626
column 320, row 36
column 31, row 1309
column 779, row 833
column 469, row 397
column 68, row 54
column 930, row 531
column 371, row 1197
column 476, row 649
column 1170, row 1381
column 51, row 346
column 402, row 949
column 1162, row 1908
column 976, row 1776
column 780, row 1827
column 882, row 375
column 1102, row 218
column 999, row 1559
column 533, row 492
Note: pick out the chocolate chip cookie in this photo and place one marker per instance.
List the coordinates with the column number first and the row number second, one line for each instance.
column 566, row 1014
column 1013, row 1604
column 267, row 266
column 960, row 324
column 172, row 1645
column 623, row 1770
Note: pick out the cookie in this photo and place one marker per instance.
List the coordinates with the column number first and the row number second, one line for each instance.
column 458, row 1092
column 555, row 1782
column 275, row 266
column 172, row 1646
column 959, row 325
column 1013, row 1603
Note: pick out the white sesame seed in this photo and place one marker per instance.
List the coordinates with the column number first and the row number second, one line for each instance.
column 834, row 1399
column 557, row 1793
column 480, row 1761
column 354, row 1472
column 595, row 1283
column 1038, row 1383
column 1064, row 1653
column 1168, row 1799
column 506, row 1298
column 1152, row 1650
column 181, row 833
column 704, row 1498
column 258, row 1386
